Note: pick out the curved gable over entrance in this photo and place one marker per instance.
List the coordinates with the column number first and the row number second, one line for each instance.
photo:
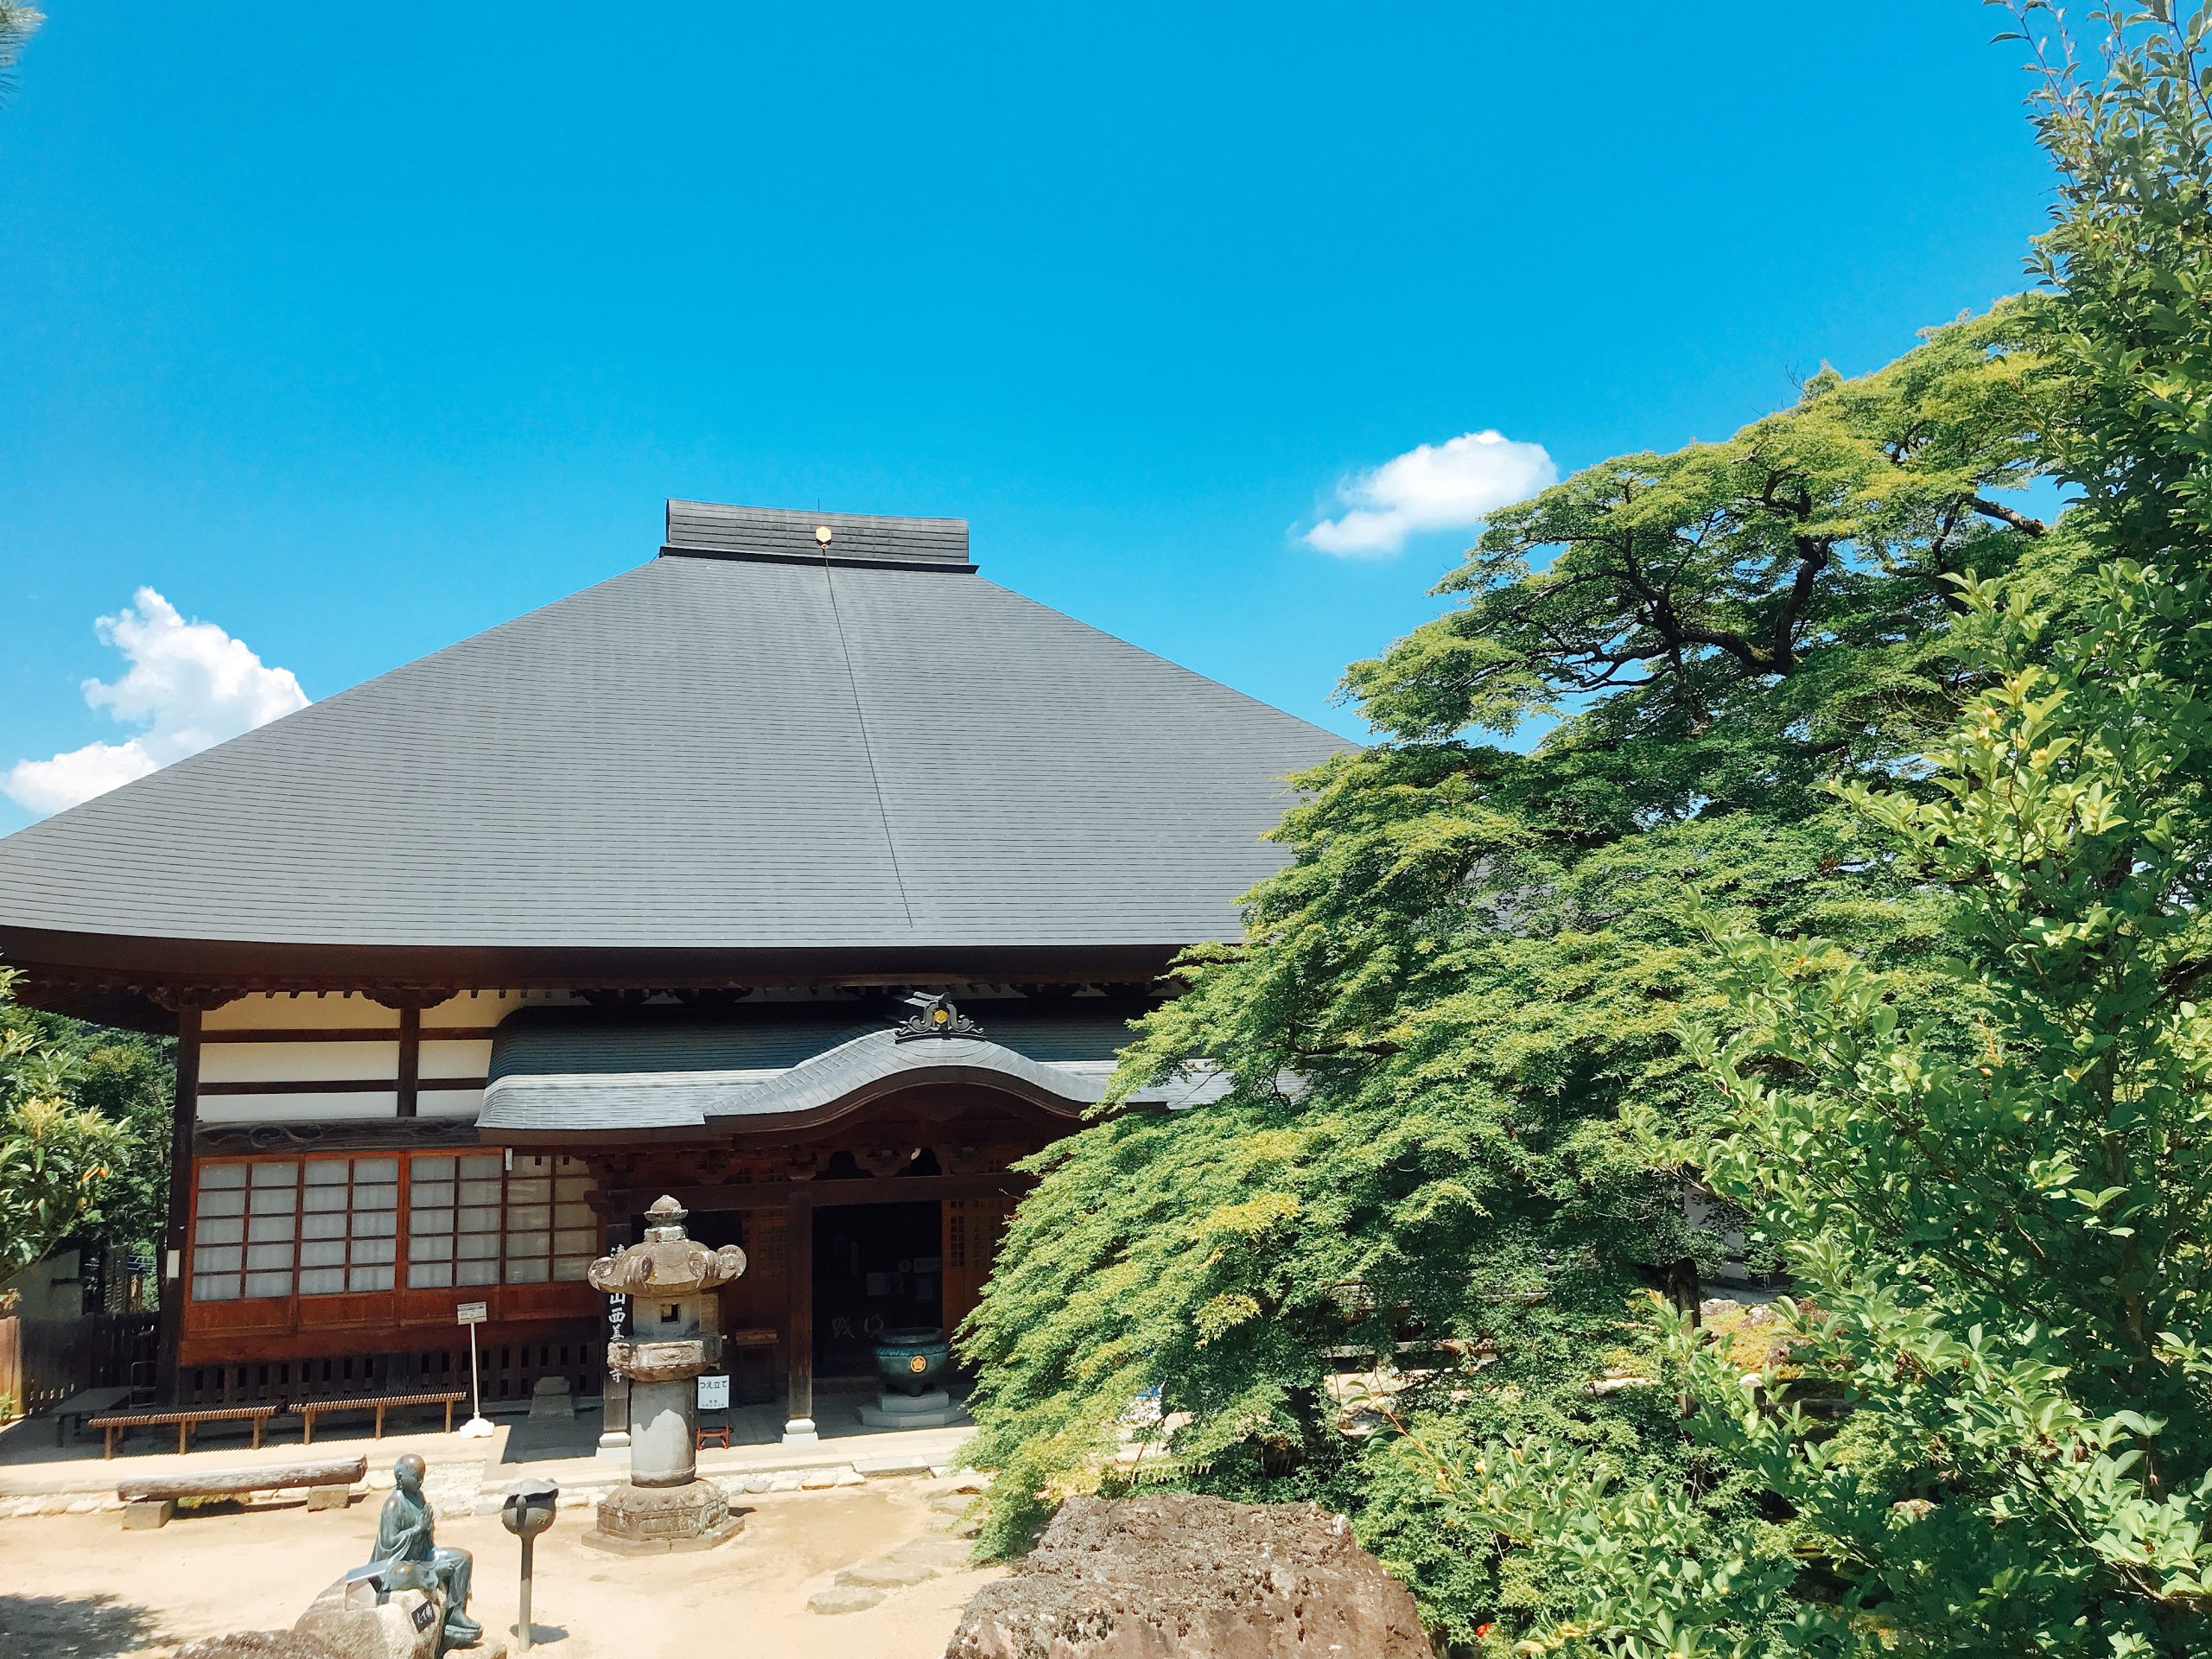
column 666, row 1072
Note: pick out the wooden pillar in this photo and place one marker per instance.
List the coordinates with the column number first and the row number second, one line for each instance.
column 175, row 1267
column 410, row 1059
column 799, row 1317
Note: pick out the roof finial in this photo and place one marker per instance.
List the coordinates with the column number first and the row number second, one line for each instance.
column 935, row 1016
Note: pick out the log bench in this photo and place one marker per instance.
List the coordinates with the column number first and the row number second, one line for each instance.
column 116, row 1424
column 379, row 1403
column 151, row 1502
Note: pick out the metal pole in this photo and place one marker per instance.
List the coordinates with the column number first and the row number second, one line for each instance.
column 522, row 1629
column 475, row 1386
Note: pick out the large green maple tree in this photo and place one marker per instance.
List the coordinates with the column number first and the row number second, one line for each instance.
column 1477, row 957
column 1983, row 1425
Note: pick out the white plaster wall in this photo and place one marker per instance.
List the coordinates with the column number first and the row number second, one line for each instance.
column 454, row 1059
column 311, row 1062
column 296, row 1062
column 304, row 1011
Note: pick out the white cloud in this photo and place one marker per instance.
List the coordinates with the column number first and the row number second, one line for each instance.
column 190, row 684
column 1446, row 486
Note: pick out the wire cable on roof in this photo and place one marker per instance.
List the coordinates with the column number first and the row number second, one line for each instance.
column 859, row 719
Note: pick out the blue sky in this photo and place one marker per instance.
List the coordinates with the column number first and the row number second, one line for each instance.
column 352, row 341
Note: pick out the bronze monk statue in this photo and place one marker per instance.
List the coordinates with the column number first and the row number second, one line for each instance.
column 403, row 1534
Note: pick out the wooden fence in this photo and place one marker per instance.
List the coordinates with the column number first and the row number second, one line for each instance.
column 43, row 1361
column 12, row 1367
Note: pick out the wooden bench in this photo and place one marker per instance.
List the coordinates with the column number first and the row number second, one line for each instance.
column 90, row 1403
column 379, row 1403
column 151, row 1502
column 115, row 1425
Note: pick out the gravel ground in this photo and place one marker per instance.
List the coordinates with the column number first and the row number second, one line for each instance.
column 79, row 1586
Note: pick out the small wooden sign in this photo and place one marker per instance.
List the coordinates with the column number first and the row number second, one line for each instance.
column 472, row 1313
column 713, row 1394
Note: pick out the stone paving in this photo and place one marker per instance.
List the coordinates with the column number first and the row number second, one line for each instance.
column 466, row 1476
column 856, row 1589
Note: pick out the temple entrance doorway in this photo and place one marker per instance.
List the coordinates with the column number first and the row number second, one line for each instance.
column 877, row 1268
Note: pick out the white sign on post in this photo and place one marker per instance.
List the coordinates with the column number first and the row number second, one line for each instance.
column 713, row 1394
column 473, row 1315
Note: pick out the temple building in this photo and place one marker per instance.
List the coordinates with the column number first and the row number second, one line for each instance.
column 799, row 872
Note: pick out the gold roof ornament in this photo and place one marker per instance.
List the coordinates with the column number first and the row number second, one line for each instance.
column 935, row 1016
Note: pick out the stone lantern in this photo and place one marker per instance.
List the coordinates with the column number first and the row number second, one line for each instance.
column 664, row 1504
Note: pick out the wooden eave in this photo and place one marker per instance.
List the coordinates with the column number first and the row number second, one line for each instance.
column 138, row 982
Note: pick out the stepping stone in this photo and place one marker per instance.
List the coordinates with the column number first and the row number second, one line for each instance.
column 890, row 1468
column 818, row 1480
column 946, row 1555
column 843, row 1599
column 888, row 1575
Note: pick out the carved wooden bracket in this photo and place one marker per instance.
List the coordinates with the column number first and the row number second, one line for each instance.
column 179, row 998
column 883, row 1160
column 417, row 997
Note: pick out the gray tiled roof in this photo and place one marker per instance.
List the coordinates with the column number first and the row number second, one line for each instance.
column 723, row 752
column 567, row 1070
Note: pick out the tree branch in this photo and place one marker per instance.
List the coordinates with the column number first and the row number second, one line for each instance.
column 2005, row 515
column 1812, row 559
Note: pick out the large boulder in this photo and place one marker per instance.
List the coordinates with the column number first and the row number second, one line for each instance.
column 347, row 1621
column 1174, row 1576
column 403, row 1624
column 260, row 1644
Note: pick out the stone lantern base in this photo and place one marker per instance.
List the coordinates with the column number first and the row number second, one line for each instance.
column 650, row 1520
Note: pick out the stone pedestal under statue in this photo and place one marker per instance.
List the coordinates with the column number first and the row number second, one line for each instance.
column 935, row 1409
column 664, row 1506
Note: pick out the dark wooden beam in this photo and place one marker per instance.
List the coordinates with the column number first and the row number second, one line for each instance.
column 348, row 1135
column 344, row 1034
column 866, row 1189
column 411, row 1059
column 143, row 965
column 799, row 1312
column 337, row 1085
